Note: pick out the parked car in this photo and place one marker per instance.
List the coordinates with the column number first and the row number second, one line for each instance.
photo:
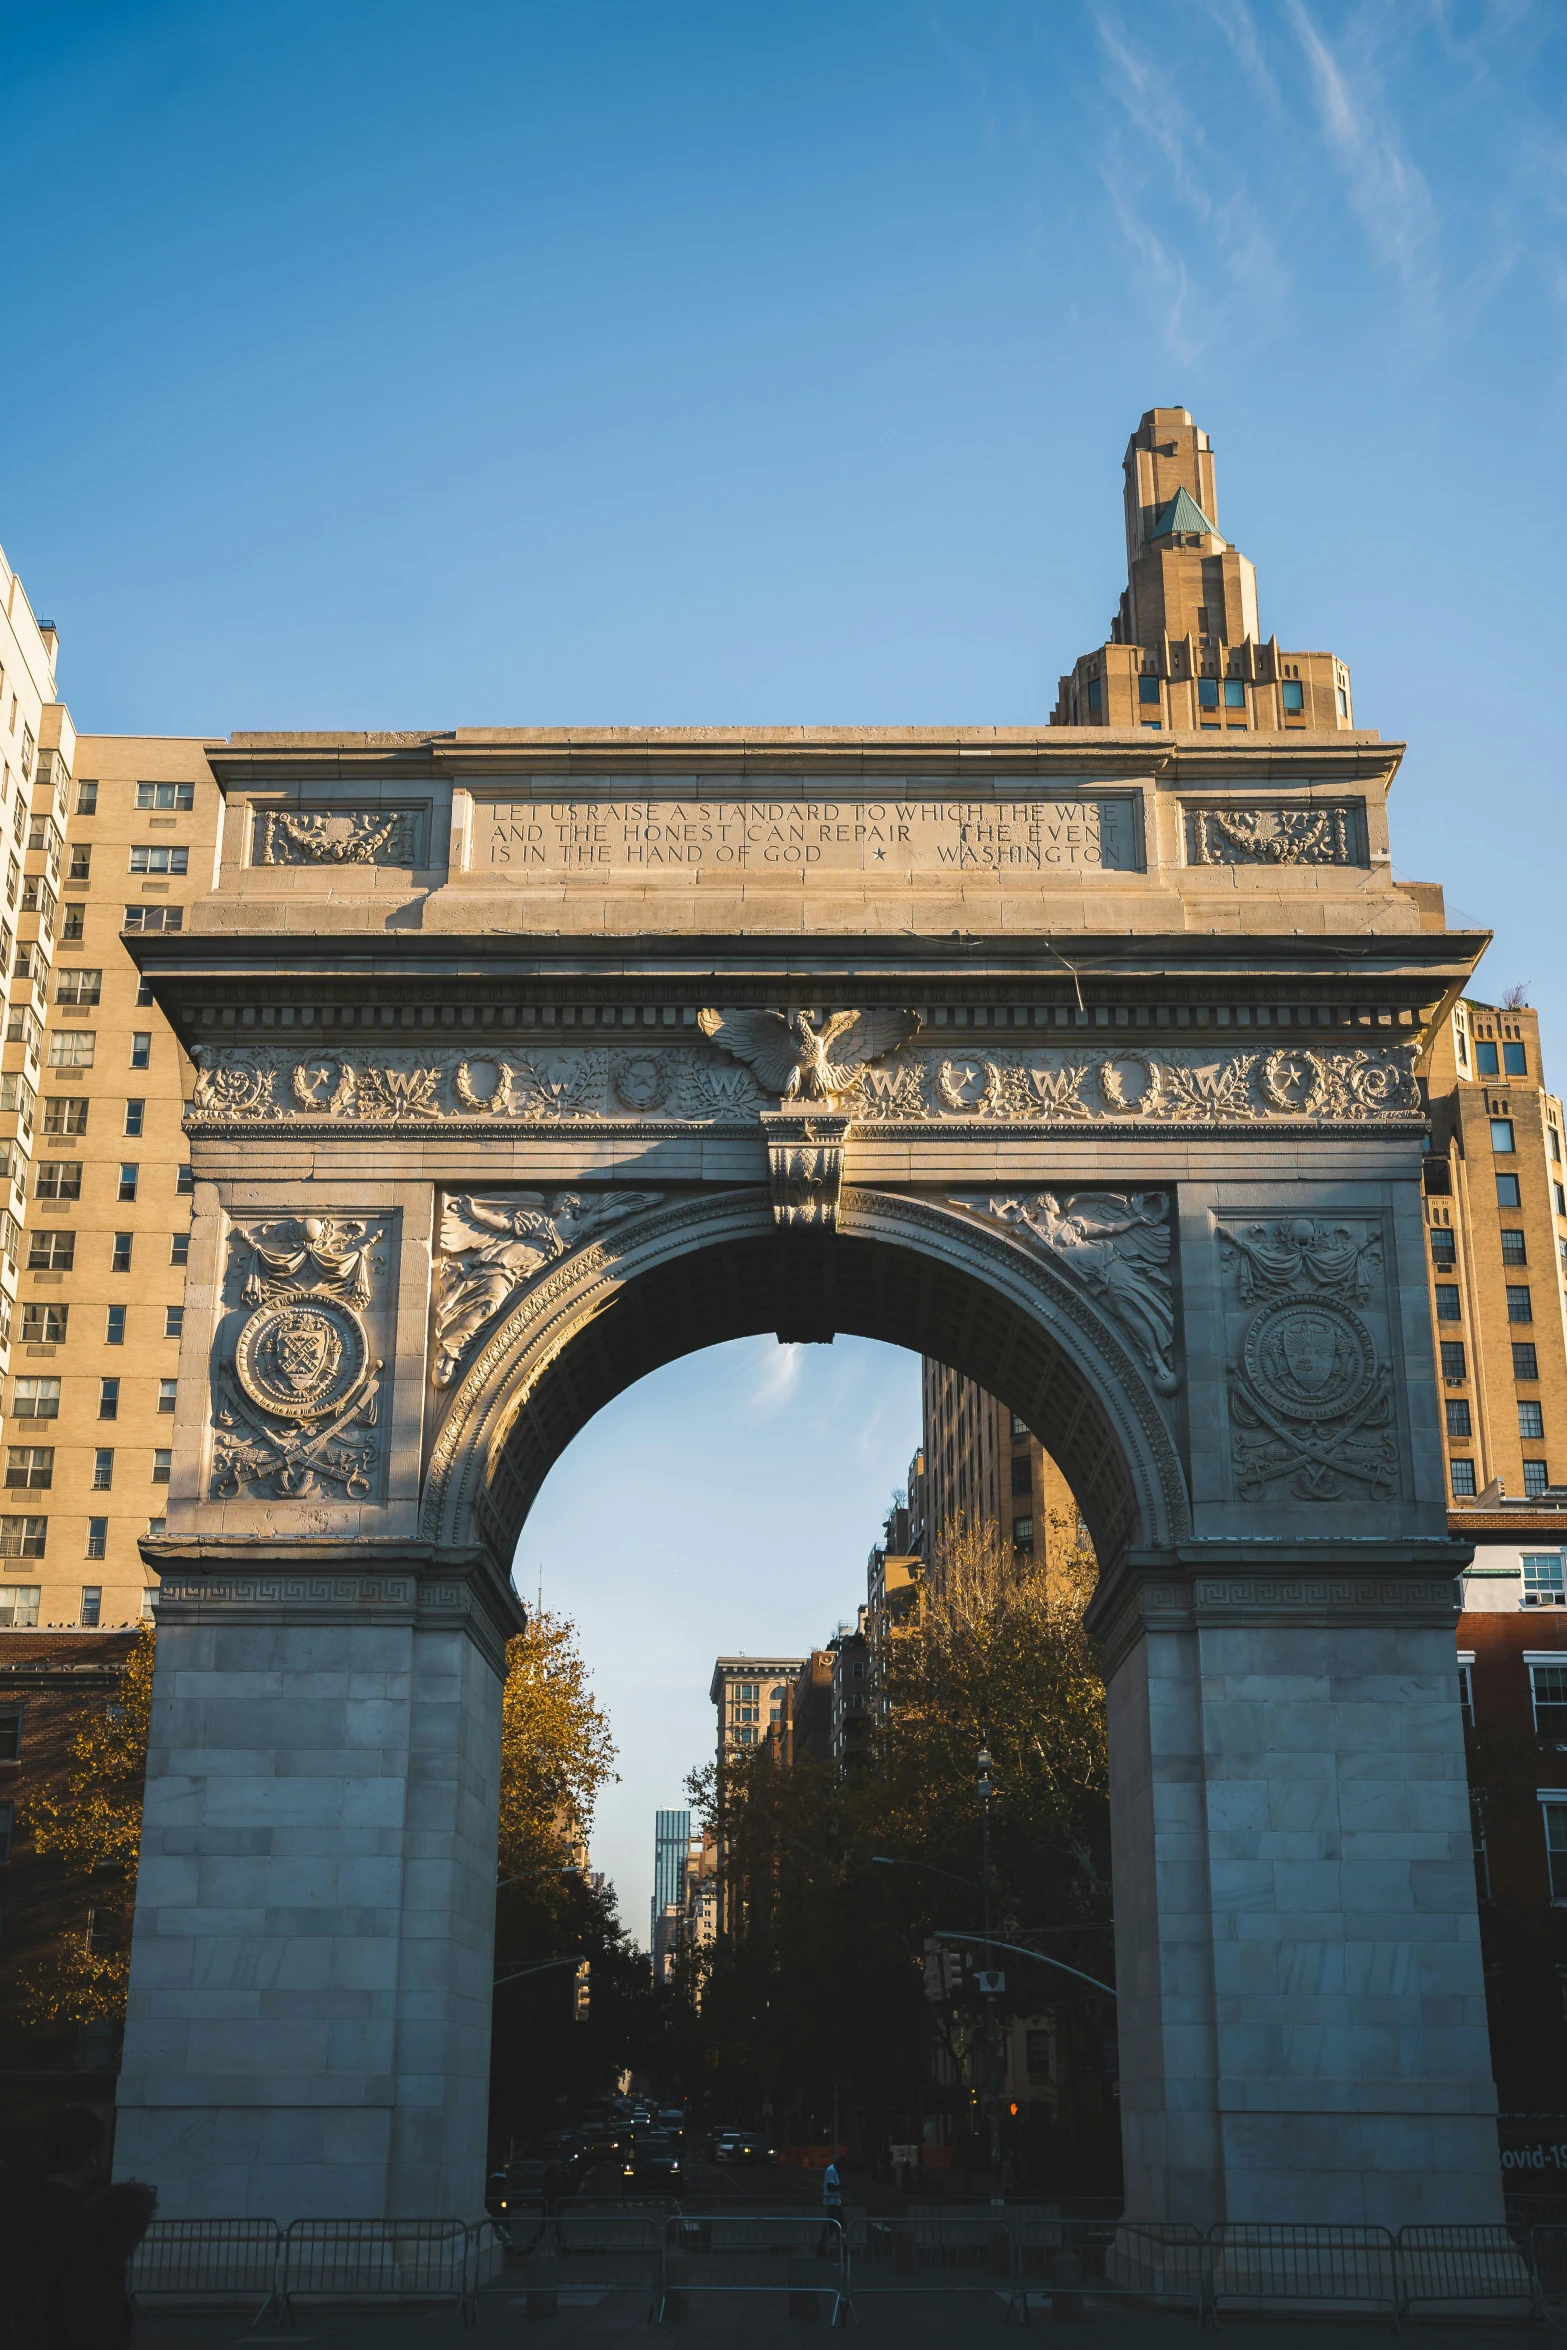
column 653, row 2161
column 721, row 2142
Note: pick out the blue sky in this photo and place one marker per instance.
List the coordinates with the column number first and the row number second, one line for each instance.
column 658, row 361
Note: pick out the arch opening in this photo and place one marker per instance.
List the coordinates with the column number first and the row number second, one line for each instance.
column 895, row 1271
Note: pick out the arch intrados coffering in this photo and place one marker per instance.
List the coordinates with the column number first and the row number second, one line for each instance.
column 698, row 1273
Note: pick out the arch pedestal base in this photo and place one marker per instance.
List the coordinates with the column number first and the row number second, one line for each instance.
column 308, row 2032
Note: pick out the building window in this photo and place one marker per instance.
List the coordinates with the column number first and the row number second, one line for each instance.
column 154, row 918
column 1294, row 697
column 179, row 1248
column 1453, row 1365
column 65, row 1113
column 149, row 1607
column 1234, row 693
column 141, row 1049
column 184, row 1182
column 10, row 1733
column 78, row 987
column 103, row 1468
column 23, row 1538
column 1207, row 693
column 1148, row 690
column 745, row 1736
column 73, row 928
column 1022, row 1474
column 92, row 1599
column 135, row 1113
column 51, row 1252
column 167, row 1391
column 1023, row 1534
column 1466, row 1687
column 1513, row 1249
column 29, row 1468
column 173, row 799
column 1482, row 1858
column 37, row 1399
column 73, row 1048
column 162, row 1463
column 114, row 1327
column 1548, row 1696
column 129, row 1173
column 1536, row 1480
column 1525, row 1363
column 148, row 859
column 1531, row 1420
column 19, row 1604
column 173, row 1321
column 1515, row 1061
column 59, row 1179
column 1561, row 1199
column 87, row 797
column 1447, row 1307
column 1507, row 1195
column 1502, row 1137
column 108, row 1399
column 1463, row 1480
column 1544, row 1578
column 44, row 1325
column 1485, row 1059
column 1444, row 1249
column 1555, row 1817
column 120, row 1260
column 1519, row 1308
column 1094, row 693
column 105, row 1929
column 1457, row 1408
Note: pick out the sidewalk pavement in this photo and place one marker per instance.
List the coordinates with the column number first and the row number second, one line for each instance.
column 911, row 2321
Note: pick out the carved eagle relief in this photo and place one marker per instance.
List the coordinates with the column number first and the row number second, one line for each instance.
column 801, row 1061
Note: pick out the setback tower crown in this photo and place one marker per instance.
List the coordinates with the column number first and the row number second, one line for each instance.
column 1185, row 651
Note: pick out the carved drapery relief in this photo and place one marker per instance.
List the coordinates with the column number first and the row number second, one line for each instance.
column 805, row 1165
column 296, row 1408
column 798, row 1058
column 1275, row 836
column 1311, row 1391
column 517, row 1083
column 355, row 836
column 1118, row 1244
column 493, row 1245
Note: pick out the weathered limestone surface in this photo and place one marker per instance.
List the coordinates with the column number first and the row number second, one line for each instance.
column 479, row 1140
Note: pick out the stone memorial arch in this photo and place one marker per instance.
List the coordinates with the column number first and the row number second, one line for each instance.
column 526, row 1062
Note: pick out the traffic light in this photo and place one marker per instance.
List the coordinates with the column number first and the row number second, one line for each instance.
column 952, row 1969
column 582, row 1991
column 933, row 1988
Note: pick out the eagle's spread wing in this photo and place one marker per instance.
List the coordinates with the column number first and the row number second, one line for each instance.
column 471, row 1222
column 858, row 1037
column 761, row 1039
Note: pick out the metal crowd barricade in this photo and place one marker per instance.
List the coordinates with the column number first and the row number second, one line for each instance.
column 1461, row 2267
column 934, row 2252
column 1303, row 2262
column 208, row 2260
column 1062, row 2260
column 581, row 2253
column 372, row 2260
column 804, row 2256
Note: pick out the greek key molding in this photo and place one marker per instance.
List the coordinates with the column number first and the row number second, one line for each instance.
column 634, row 1087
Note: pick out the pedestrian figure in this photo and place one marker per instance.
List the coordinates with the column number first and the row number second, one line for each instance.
column 65, row 2243
column 832, row 2210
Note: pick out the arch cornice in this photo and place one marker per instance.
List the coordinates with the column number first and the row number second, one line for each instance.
column 545, row 1320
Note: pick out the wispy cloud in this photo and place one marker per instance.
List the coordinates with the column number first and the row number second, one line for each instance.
column 1386, row 190
column 778, row 1373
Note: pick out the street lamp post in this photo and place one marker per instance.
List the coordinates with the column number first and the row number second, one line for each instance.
column 982, row 1782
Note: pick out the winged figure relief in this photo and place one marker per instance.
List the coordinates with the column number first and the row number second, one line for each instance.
column 800, row 1059
column 490, row 1247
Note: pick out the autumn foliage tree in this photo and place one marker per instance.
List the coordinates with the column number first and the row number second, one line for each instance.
column 93, row 1825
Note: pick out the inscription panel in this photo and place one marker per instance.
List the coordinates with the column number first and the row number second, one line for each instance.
column 890, row 836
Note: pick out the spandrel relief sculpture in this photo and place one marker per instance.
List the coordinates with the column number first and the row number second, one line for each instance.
column 493, row 1245
column 1118, row 1244
column 297, row 1405
column 518, row 1083
column 1311, row 1388
column 350, row 836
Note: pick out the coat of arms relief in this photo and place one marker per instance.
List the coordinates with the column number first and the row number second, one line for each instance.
column 296, row 1408
column 1311, row 1389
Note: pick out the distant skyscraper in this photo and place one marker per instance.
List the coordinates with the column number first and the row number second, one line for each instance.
column 671, row 1842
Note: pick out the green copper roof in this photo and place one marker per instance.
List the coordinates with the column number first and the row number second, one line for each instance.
column 1182, row 515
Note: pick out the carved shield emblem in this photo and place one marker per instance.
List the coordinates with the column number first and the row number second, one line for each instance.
column 1308, row 1343
column 304, row 1355
column 1309, row 1359
column 302, row 1359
